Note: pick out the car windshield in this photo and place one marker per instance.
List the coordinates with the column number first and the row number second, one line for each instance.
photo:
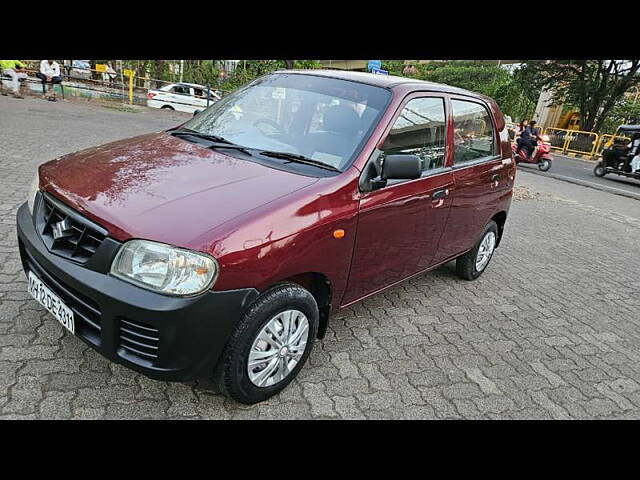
column 324, row 119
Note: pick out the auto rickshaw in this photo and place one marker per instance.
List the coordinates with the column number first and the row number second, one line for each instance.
column 616, row 157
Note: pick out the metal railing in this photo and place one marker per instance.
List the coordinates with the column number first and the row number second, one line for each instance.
column 110, row 86
column 573, row 141
column 607, row 139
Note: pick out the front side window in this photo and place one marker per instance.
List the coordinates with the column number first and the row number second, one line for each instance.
column 473, row 131
column 420, row 130
column 325, row 119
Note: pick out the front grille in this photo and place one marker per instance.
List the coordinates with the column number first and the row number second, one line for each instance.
column 86, row 313
column 139, row 339
column 82, row 239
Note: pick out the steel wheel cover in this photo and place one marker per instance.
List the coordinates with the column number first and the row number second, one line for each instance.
column 277, row 348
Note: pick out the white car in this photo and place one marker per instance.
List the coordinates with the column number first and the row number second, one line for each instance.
column 183, row 97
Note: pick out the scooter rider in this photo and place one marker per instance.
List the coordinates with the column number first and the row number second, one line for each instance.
column 525, row 140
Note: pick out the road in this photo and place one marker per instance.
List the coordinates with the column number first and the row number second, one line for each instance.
column 551, row 330
column 581, row 172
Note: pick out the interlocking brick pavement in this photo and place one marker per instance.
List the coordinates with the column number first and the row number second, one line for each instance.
column 551, row 330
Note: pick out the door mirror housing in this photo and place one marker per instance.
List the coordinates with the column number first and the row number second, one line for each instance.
column 195, row 112
column 401, row 167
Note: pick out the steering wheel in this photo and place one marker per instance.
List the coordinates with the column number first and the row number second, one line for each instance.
column 269, row 122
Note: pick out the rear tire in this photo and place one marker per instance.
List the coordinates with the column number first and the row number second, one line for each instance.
column 599, row 170
column 167, row 107
column 469, row 265
column 544, row 165
column 233, row 375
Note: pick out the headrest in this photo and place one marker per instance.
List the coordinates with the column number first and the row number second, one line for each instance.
column 341, row 119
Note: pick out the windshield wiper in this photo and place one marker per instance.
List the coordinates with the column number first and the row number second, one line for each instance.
column 206, row 136
column 294, row 157
column 220, row 142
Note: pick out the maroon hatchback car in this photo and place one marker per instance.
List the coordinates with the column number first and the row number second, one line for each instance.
column 221, row 247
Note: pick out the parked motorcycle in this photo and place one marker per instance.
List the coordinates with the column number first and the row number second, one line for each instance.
column 540, row 155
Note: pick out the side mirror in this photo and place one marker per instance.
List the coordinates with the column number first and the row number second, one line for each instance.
column 401, row 167
column 195, row 112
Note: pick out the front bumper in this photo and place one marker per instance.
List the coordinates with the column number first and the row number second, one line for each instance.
column 165, row 338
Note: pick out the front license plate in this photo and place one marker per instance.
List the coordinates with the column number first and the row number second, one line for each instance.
column 51, row 302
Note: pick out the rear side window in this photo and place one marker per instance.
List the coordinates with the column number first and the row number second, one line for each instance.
column 182, row 90
column 420, row 130
column 474, row 137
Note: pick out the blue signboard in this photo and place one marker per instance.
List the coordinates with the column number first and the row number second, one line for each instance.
column 380, row 72
column 374, row 65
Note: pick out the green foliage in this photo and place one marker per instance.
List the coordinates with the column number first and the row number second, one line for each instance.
column 625, row 110
column 207, row 72
column 248, row 70
column 395, row 67
column 512, row 90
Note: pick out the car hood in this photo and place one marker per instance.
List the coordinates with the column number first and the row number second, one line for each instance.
column 163, row 188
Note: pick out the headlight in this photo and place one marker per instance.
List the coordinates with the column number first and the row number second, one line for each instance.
column 33, row 190
column 164, row 269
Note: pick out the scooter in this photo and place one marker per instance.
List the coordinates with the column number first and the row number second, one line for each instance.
column 540, row 155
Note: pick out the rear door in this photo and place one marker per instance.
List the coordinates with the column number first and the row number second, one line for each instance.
column 181, row 98
column 478, row 172
column 399, row 225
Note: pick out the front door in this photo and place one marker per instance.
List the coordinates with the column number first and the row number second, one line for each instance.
column 399, row 225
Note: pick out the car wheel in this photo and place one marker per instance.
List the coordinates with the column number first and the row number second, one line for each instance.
column 544, row 165
column 270, row 344
column 599, row 170
column 167, row 107
column 473, row 263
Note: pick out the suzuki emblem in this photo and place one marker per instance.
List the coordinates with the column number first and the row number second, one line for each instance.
column 62, row 229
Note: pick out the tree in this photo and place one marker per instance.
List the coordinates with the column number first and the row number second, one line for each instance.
column 626, row 110
column 512, row 90
column 592, row 86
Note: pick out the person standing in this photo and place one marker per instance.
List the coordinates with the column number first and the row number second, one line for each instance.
column 15, row 69
column 49, row 73
column 111, row 74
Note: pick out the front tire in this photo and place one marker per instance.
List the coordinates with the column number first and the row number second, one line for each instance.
column 599, row 170
column 473, row 263
column 167, row 107
column 270, row 344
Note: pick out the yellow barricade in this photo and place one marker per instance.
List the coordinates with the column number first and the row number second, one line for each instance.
column 607, row 139
column 574, row 141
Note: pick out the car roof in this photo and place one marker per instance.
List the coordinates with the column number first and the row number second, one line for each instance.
column 385, row 81
column 407, row 85
column 192, row 84
column 185, row 84
column 633, row 128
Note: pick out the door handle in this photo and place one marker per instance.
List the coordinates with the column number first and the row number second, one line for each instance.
column 437, row 198
column 440, row 194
